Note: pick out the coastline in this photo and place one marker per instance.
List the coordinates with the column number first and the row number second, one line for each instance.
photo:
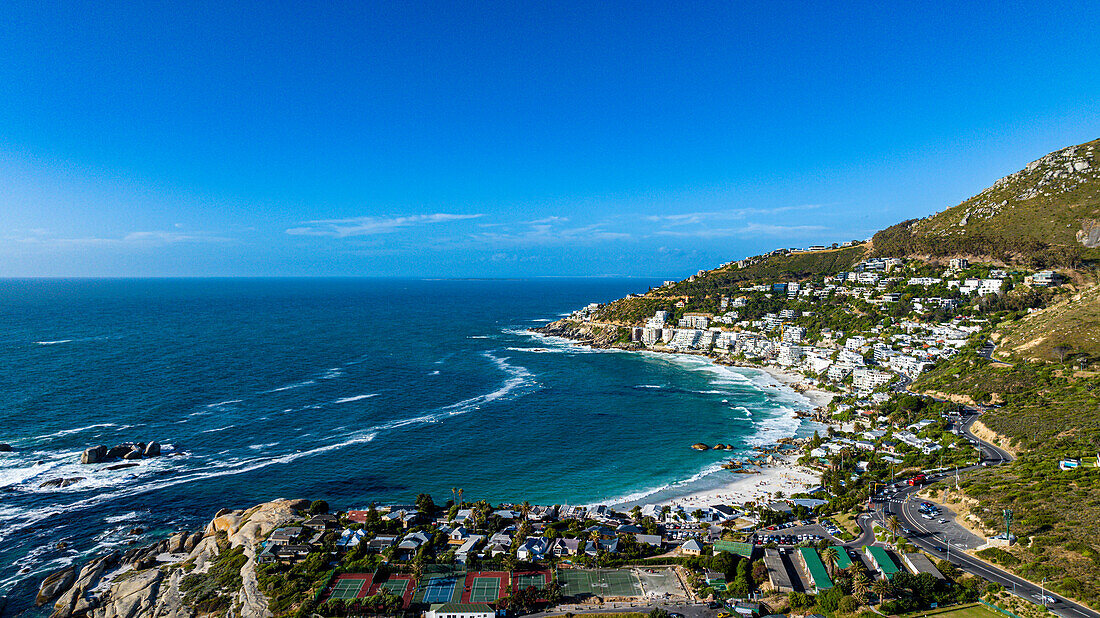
column 762, row 481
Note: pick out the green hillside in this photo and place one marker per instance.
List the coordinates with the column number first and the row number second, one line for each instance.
column 1045, row 215
column 702, row 291
column 780, row 267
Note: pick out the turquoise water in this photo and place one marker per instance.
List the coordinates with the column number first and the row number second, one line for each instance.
column 354, row 390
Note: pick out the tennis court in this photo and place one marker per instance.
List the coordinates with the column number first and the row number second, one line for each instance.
column 526, row 580
column 603, row 583
column 485, row 589
column 439, row 590
column 346, row 588
column 396, row 587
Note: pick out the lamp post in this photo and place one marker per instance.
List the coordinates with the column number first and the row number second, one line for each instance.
column 1043, row 592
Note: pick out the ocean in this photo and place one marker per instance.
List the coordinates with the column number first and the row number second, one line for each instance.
column 351, row 390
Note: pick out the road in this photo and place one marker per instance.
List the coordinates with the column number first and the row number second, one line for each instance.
column 987, row 350
column 928, row 536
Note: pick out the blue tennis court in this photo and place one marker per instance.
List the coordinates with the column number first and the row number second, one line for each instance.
column 439, row 590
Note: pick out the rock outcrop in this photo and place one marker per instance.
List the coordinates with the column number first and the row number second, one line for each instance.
column 126, row 451
column 5, row 448
column 54, row 584
column 74, row 602
column 149, row 577
column 94, row 454
column 62, row 482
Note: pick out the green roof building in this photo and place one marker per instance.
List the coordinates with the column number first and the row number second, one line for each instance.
column 819, row 575
column 843, row 561
column 882, row 561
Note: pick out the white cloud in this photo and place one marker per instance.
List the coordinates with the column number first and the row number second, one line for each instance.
column 763, row 229
column 141, row 238
column 693, row 218
column 364, row 226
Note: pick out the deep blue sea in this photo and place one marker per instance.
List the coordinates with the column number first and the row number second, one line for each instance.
column 352, row 390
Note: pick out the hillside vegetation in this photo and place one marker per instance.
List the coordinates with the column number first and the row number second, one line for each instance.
column 1046, row 215
column 702, row 291
column 1068, row 329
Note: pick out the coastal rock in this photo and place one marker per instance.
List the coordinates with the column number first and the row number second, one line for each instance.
column 176, row 542
column 117, row 452
column 699, row 446
column 132, row 597
column 93, row 455
column 54, row 584
column 135, row 453
column 192, row 541
column 153, row 449
column 90, row 573
column 5, row 448
column 63, row 482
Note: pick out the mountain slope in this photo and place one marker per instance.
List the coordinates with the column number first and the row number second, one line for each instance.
column 1047, row 214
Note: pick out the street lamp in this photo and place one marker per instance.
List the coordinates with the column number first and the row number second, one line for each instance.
column 1043, row 592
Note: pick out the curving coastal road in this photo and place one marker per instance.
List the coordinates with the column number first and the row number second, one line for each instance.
column 934, row 540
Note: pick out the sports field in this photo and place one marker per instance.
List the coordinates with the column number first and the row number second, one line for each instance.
column 537, row 579
column 346, row 588
column 396, row 587
column 439, row 590
column 969, row 611
column 484, row 589
column 485, row 586
column 603, row 583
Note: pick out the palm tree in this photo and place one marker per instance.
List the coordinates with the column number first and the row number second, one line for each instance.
column 882, row 588
column 894, row 526
column 831, row 555
column 859, row 587
column 460, row 497
column 417, row 570
column 525, row 509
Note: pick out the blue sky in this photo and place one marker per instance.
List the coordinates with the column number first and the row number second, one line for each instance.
column 510, row 139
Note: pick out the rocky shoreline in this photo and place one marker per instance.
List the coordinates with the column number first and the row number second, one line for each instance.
column 145, row 581
column 607, row 337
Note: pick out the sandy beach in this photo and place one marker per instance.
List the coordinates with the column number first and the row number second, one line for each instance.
column 785, row 475
column 818, row 398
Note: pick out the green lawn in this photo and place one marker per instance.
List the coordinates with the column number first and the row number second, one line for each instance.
column 966, row 611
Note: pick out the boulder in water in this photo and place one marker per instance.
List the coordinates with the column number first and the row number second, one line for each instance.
column 153, row 449
column 135, row 453
column 94, row 454
column 699, row 446
column 63, row 482
column 121, row 466
column 5, row 448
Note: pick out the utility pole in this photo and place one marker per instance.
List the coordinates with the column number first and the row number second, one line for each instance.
column 1008, row 525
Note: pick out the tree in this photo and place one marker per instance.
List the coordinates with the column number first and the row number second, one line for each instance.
column 317, row 507
column 425, row 504
column 759, row 571
column 882, row 588
column 830, row 555
column 1061, row 351
column 417, row 569
column 894, row 526
column 525, row 510
column 860, row 587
